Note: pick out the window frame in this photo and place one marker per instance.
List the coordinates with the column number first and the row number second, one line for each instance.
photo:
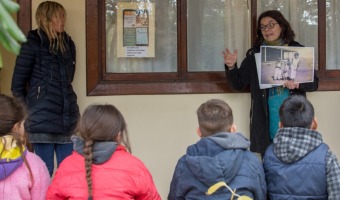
column 98, row 82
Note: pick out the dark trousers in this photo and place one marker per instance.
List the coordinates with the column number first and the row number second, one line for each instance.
column 46, row 152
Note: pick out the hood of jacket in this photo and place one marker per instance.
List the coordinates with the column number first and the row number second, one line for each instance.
column 102, row 151
column 293, row 143
column 207, row 158
column 10, row 156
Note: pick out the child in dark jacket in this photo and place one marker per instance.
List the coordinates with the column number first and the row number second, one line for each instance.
column 221, row 155
column 299, row 165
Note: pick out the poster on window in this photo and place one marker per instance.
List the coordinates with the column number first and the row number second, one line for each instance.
column 275, row 65
column 135, row 30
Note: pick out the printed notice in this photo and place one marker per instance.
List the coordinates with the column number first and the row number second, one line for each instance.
column 136, row 25
column 142, row 36
column 135, row 30
column 137, row 51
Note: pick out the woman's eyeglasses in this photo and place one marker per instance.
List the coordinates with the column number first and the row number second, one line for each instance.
column 269, row 26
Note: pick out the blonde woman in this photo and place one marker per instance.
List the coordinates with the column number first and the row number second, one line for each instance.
column 42, row 79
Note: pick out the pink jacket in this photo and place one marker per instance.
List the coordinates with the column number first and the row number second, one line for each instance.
column 18, row 185
column 123, row 176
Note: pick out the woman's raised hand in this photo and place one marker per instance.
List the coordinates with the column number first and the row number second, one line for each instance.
column 230, row 58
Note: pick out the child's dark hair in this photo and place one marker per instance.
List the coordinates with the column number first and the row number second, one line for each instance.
column 287, row 33
column 296, row 111
column 11, row 113
column 214, row 116
column 101, row 123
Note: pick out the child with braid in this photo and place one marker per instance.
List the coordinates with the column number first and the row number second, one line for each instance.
column 101, row 166
column 23, row 175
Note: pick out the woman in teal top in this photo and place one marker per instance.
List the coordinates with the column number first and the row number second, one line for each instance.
column 272, row 30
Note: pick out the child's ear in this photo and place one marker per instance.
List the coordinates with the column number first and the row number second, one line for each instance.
column 198, row 131
column 233, row 128
column 19, row 128
column 314, row 125
column 119, row 137
column 280, row 124
column 16, row 127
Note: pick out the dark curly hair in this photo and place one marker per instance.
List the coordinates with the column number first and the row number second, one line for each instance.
column 287, row 33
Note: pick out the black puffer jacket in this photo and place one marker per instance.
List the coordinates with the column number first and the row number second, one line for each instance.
column 246, row 76
column 42, row 79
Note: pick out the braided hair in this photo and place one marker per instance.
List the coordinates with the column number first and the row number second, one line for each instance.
column 101, row 123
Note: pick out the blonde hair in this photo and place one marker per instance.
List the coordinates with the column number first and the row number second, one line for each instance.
column 46, row 12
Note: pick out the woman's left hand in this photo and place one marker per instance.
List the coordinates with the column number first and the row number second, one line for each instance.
column 291, row 85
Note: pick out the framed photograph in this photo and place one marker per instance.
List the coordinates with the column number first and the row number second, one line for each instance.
column 278, row 64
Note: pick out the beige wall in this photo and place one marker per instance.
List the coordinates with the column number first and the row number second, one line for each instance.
column 162, row 126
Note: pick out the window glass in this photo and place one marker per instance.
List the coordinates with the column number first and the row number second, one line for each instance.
column 302, row 16
column 158, row 17
column 212, row 26
column 108, row 75
column 332, row 34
